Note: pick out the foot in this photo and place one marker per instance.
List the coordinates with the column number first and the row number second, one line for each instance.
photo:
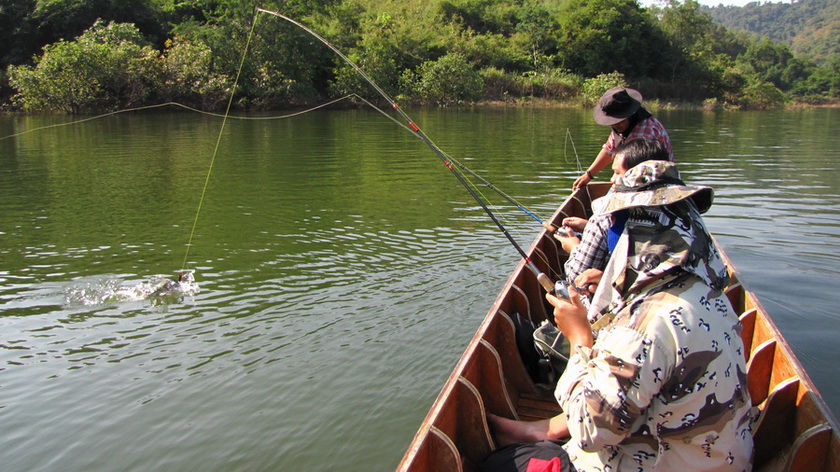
column 507, row 431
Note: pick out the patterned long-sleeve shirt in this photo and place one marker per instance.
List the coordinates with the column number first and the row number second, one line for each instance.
column 650, row 128
column 593, row 251
column 663, row 388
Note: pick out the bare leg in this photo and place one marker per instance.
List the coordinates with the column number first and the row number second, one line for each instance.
column 507, row 431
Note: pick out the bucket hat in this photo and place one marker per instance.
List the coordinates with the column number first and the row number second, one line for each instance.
column 656, row 183
column 617, row 104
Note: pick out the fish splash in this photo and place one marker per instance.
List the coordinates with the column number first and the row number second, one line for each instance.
column 156, row 289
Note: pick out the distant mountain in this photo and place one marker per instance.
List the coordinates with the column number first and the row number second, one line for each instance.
column 810, row 27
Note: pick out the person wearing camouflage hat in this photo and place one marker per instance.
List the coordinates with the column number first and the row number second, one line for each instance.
column 663, row 387
column 658, row 382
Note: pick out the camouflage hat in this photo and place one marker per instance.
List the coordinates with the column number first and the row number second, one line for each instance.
column 656, row 183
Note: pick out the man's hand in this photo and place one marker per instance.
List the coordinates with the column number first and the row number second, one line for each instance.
column 570, row 318
column 568, row 242
column 589, row 279
column 581, row 181
column 576, row 223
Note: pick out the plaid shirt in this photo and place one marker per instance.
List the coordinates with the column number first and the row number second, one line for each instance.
column 592, row 252
column 649, row 128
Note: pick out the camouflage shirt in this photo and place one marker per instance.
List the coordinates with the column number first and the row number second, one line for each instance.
column 664, row 386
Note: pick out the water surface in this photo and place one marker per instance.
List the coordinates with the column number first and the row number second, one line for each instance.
column 342, row 271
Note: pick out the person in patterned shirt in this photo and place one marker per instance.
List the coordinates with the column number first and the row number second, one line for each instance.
column 591, row 251
column 621, row 109
column 662, row 385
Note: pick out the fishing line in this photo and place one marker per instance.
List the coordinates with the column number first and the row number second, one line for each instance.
column 547, row 284
column 196, row 110
column 568, row 139
column 219, row 140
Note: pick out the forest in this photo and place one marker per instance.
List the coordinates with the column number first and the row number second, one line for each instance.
column 77, row 56
column 810, row 27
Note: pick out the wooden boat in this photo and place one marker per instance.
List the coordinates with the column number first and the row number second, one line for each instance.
column 795, row 430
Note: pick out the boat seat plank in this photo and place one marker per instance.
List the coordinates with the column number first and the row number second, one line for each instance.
column 747, row 328
column 735, row 293
column 532, row 408
column 501, row 334
column 520, row 303
column 484, row 371
column 532, row 289
column 436, row 452
column 759, row 371
column 774, row 426
column 809, row 449
column 464, row 420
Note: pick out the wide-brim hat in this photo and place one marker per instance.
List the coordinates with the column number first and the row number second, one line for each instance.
column 617, row 104
column 656, row 183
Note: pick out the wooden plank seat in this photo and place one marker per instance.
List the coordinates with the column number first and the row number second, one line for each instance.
column 520, row 303
column 735, row 293
column 810, row 447
column 484, row 371
column 436, row 452
column 747, row 329
column 773, row 428
column 759, row 371
column 464, row 420
column 501, row 334
column 529, row 401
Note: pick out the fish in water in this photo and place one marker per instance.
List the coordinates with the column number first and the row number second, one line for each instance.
column 184, row 284
column 156, row 289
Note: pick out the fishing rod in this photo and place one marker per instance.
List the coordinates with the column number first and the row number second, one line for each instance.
column 543, row 279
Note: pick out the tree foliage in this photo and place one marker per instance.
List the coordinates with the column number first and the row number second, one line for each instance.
column 431, row 51
column 809, row 27
column 107, row 68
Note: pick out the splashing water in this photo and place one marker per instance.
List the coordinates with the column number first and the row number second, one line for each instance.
column 156, row 289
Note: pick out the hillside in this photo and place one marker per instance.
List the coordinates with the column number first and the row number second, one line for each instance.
column 810, row 27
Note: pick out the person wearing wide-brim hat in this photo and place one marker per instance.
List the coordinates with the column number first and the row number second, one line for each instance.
column 621, row 109
column 657, row 382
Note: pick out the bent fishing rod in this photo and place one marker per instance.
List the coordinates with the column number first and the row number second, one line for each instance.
column 543, row 279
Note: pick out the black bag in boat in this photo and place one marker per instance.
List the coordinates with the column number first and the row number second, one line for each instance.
column 553, row 349
column 544, row 351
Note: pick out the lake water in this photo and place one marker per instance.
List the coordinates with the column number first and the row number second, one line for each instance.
column 342, row 271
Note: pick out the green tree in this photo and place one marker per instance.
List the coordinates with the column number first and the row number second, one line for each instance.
column 56, row 20
column 109, row 67
column 188, row 75
column 449, row 80
column 601, row 36
column 17, row 43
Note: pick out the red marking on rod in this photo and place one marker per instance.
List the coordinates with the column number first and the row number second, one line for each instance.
column 396, row 107
column 527, row 260
column 413, row 126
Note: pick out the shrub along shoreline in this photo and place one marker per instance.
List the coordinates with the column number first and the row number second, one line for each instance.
column 426, row 53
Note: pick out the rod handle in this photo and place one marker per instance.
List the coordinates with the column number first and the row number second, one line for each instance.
column 547, row 284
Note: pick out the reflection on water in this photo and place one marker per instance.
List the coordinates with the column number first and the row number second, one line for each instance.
column 342, row 272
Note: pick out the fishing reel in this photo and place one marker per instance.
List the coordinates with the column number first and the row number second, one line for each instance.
column 564, row 231
column 561, row 290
